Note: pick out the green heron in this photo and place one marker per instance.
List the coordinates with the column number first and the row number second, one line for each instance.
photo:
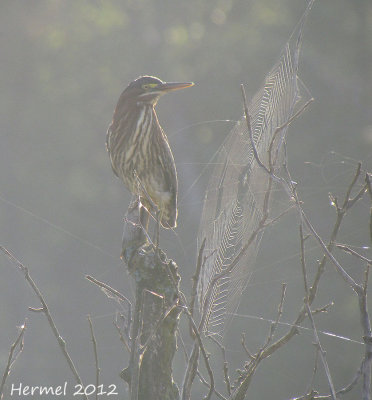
column 139, row 150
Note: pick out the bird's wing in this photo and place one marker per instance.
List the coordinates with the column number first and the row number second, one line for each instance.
column 108, row 145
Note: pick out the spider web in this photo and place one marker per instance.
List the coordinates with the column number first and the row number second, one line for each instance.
column 234, row 197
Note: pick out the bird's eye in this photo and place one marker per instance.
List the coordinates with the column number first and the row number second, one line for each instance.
column 148, row 86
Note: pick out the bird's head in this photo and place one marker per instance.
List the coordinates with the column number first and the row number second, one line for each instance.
column 148, row 89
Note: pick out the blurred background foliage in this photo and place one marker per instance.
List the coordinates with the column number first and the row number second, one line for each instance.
column 63, row 65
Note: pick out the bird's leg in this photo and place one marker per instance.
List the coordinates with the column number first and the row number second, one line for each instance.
column 142, row 206
column 158, row 217
column 134, row 234
column 145, row 197
column 152, row 206
column 144, row 217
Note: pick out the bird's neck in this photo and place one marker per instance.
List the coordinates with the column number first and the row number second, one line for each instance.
column 147, row 110
column 144, row 107
column 147, row 119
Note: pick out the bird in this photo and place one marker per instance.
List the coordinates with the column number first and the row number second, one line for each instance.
column 139, row 149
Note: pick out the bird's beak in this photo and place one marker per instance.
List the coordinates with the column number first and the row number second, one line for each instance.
column 170, row 86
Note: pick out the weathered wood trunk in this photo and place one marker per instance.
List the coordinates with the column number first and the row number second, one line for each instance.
column 155, row 316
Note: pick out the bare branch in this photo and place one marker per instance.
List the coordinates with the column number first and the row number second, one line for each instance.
column 242, row 341
column 12, row 358
column 60, row 340
column 366, row 276
column 248, row 122
column 122, row 338
column 303, row 264
column 195, row 278
column 345, row 276
column 203, row 352
column 275, row 324
column 111, row 292
column 291, row 190
column 225, row 364
column 345, row 205
column 205, row 383
column 359, row 289
column 369, row 189
column 246, row 376
column 183, row 304
column 357, row 197
column 353, row 252
column 295, row 115
column 191, row 371
column 95, row 353
column 318, row 345
column 108, row 288
column 321, row 353
column 323, row 309
column 198, row 374
column 315, row 370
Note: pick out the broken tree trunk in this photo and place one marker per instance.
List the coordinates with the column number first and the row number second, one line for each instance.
column 155, row 316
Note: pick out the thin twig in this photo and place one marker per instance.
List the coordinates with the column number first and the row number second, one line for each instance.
column 348, row 388
column 261, row 226
column 249, row 126
column 357, row 197
column 313, row 290
column 295, row 115
column 95, row 353
column 345, row 205
column 360, row 290
column 195, row 279
column 321, row 353
column 290, row 189
column 347, row 249
column 275, row 324
column 255, row 360
column 366, row 277
column 239, row 393
column 315, row 370
column 345, row 276
column 304, row 274
column 109, row 289
column 191, row 371
column 242, row 341
column 198, row 374
column 121, row 336
column 310, row 315
column 312, row 395
column 369, row 189
column 367, row 331
column 205, row 383
column 12, row 358
column 272, row 221
column 310, row 292
column 203, row 352
column 183, row 304
column 340, row 213
column 60, row 340
column 265, row 212
column 323, row 309
column 225, row 364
